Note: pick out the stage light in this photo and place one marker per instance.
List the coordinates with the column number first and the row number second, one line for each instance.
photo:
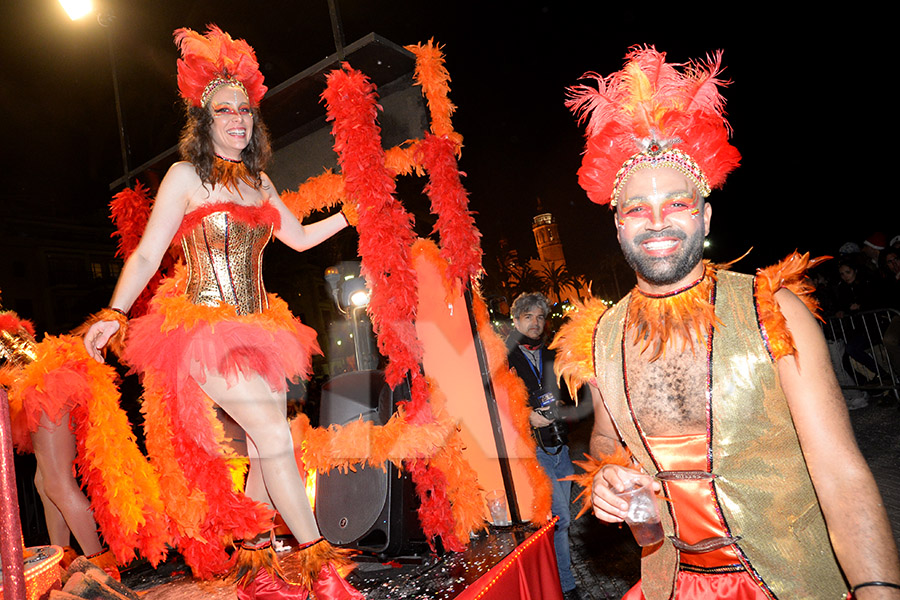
column 359, row 298
column 354, row 293
column 351, row 296
column 77, row 9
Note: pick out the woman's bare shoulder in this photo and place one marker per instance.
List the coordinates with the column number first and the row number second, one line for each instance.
column 182, row 182
column 183, row 171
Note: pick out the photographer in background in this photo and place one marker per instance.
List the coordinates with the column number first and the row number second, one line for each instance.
column 530, row 359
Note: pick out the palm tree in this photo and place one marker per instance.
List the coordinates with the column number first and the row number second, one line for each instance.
column 557, row 278
column 524, row 279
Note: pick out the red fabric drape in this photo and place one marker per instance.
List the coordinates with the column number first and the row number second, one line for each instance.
column 528, row 573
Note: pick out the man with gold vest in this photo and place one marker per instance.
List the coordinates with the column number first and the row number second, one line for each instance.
column 715, row 384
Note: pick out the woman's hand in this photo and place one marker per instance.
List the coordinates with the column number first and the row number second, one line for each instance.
column 97, row 337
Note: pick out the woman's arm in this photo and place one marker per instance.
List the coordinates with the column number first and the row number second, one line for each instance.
column 293, row 233
column 168, row 211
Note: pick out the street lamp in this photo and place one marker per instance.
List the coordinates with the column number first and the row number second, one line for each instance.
column 77, row 9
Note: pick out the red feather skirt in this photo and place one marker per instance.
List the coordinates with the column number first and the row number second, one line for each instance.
column 174, row 346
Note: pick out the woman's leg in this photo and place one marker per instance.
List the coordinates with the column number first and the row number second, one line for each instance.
column 54, row 448
column 274, row 476
column 56, row 523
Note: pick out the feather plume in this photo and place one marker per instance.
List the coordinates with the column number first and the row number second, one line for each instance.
column 206, row 57
column 652, row 98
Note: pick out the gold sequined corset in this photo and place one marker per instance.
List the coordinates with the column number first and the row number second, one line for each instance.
column 16, row 347
column 224, row 253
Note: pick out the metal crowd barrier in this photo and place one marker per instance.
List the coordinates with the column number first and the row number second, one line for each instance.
column 866, row 330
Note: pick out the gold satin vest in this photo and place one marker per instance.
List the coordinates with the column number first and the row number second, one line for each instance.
column 224, row 262
column 765, row 495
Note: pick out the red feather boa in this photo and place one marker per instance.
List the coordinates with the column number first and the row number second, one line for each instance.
column 385, row 241
column 460, row 240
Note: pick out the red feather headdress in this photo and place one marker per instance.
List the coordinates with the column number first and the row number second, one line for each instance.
column 653, row 114
column 215, row 60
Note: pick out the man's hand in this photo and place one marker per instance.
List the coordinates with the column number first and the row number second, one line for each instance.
column 538, row 420
column 608, row 481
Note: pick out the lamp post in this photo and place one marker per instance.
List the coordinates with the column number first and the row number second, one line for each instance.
column 77, row 9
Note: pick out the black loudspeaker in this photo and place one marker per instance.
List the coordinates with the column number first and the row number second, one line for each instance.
column 370, row 509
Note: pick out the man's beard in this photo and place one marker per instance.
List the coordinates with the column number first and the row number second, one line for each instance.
column 665, row 270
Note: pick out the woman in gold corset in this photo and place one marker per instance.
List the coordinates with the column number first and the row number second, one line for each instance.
column 213, row 335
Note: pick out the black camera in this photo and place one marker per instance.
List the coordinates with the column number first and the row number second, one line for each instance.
column 556, row 433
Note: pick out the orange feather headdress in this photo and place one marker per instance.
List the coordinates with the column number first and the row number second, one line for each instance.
column 653, row 114
column 209, row 62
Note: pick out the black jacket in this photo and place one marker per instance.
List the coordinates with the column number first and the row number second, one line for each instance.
column 523, row 367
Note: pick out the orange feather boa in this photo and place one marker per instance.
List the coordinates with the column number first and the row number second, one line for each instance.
column 123, row 488
column 328, row 189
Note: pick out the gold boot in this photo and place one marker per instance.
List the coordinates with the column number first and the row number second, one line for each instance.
column 106, row 561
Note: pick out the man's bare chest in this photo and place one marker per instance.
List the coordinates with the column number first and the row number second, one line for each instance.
column 669, row 394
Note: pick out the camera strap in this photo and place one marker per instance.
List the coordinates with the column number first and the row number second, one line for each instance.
column 544, row 448
column 538, row 369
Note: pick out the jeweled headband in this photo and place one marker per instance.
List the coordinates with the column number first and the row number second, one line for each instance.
column 654, row 158
column 218, row 83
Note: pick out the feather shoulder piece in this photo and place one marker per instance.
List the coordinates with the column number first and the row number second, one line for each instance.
column 789, row 274
column 574, row 345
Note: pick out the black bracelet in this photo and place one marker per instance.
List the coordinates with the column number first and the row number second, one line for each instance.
column 120, row 311
column 874, row 583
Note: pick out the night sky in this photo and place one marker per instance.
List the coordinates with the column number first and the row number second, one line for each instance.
column 810, row 105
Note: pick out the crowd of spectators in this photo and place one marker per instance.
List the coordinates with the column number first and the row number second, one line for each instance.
column 865, row 277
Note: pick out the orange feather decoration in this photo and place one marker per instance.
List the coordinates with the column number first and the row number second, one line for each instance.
column 683, row 317
column 590, row 468
column 678, row 105
column 574, row 345
column 206, row 57
column 789, row 274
